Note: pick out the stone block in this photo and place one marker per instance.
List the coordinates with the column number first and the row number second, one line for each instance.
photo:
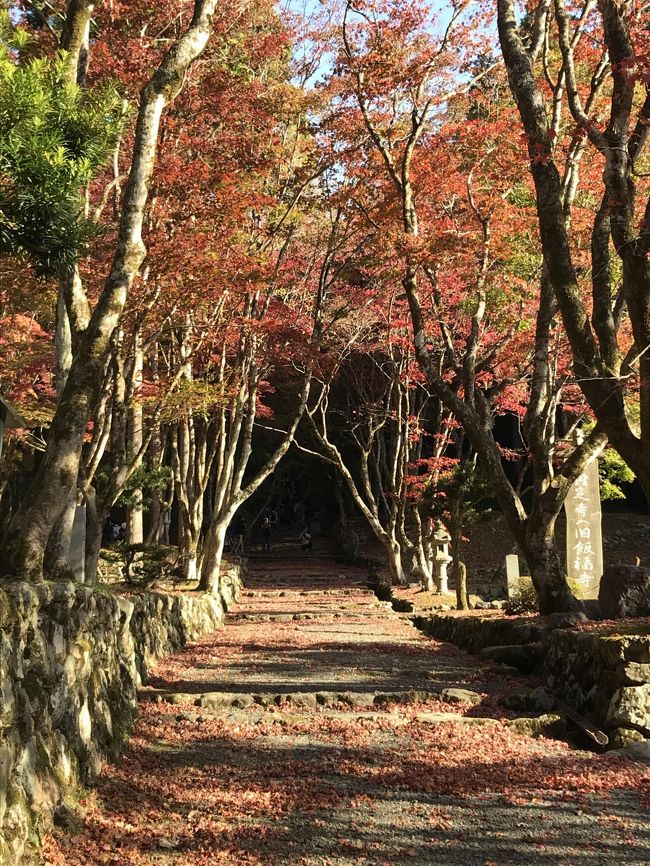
column 537, row 700
column 180, row 698
column 565, row 620
column 362, row 699
column 639, row 751
column 303, row 699
column 549, row 725
column 216, row 700
column 633, row 673
column 387, row 698
column 625, row 591
column 460, row 696
column 242, row 701
column 524, row 657
column 630, row 706
column 621, row 737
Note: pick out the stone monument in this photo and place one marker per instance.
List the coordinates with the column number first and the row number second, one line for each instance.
column 584, row 540
column 512, row 574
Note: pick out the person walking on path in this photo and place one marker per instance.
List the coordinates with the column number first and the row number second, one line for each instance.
column 305, row 539
column 266, row 535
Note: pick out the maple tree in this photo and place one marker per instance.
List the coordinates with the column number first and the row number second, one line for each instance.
column 254, row 225
column 371, row 416
column 474, row 358
column 595, row 64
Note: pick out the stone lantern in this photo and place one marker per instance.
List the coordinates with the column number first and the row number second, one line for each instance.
column 442, row 559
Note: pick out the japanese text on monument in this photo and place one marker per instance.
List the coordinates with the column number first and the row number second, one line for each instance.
column 584, row 536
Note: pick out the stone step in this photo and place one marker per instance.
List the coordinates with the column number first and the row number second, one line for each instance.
column 262, row 594
column 312, row 699
column 297, row 617
column 547, row 726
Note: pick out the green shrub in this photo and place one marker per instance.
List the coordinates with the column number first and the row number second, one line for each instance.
column 54, row 138
column 524, row 599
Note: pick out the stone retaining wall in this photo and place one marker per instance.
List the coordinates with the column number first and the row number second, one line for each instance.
column 606, row 677
column 603, row 676
column 71, row 660
column 476, row 633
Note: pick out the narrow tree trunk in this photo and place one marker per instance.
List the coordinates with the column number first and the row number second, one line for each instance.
column 93, row 551
column 95, row 520
column 426, row 578
column 212, row 555
column 56, row 565
column 134, row 515
column 460, row 576
column 396, row 569
column 56, row 561
column 459, row 569
column 191, row 560
column 189, row 546
column 155, row 517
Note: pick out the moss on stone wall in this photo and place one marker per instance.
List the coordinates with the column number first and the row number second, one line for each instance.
column 71, row 661
column 605, row 676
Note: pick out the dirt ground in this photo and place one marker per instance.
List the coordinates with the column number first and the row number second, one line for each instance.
column 626, row 536
column 312, row 730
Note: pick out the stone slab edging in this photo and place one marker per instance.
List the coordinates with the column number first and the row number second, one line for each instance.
column 72, row 658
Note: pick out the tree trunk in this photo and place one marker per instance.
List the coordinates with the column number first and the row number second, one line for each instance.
column 134, row 516
column 191, row 559
column 56, row 562
column 460, row 576
column 426, row 582
column 396, row 569
column 189, row 546
column 95, row 520
column 159, row 504
column 459, row 569
column 212, row 555
column 75, row 41
column 547, row 571
column 23, row 549
column 93, row 550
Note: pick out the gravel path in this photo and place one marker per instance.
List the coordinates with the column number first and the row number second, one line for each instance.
column 313, row 731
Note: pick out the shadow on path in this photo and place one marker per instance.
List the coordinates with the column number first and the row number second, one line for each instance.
column 304, row 787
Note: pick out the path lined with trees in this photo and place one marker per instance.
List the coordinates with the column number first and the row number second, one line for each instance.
column 413, row 240
column 270, row 273
column 318, row 740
